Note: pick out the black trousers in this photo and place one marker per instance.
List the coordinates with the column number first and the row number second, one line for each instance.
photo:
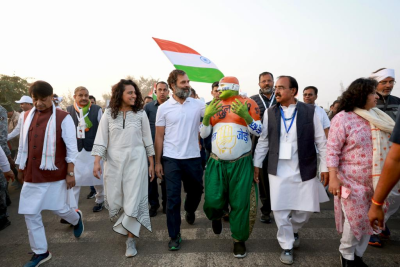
column 153, row 191
column 263, row 188
column 190, row 173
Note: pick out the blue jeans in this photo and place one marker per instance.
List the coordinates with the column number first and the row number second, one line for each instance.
column 190, row 173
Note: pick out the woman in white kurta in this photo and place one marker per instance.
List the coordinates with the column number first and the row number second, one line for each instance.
column 124, row 142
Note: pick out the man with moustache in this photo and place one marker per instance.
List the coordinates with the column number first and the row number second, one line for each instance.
column 264, row 99
column 390, row 105
column 386, row 81
column 25, row 104
column 46, row 157
column 86, row 118
column 291, row 129
column 310, row 94
column 162, row 93
column 177, row 142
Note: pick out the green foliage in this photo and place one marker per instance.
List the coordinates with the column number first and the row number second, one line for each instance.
column 12, row 88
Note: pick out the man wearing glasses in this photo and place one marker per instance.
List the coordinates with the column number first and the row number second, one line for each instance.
column 390, row 105
column 310, row 94
column 291, row 130
column 386, row 102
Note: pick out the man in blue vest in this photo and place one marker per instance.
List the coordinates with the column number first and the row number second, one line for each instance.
column 291, row 129
column 86, row 117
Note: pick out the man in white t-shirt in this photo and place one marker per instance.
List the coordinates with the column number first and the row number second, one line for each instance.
column 177, row 146
column 310, row 94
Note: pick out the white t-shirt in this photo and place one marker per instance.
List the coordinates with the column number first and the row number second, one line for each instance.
column 181, row 121
column 323, row 117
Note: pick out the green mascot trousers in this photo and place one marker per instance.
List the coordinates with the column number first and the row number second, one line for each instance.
column 232, row 181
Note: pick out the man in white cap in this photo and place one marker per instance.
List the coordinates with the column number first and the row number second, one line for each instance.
column 26, row 104
column 386, row 81
column 390, row 105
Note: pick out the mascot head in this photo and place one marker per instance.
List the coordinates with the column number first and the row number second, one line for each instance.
column 228, row 86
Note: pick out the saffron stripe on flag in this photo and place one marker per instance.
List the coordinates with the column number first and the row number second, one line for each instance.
column 205, row 75
column 166, row 45
column 193, row 60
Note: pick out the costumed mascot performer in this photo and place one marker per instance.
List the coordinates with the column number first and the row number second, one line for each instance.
column 229, row 172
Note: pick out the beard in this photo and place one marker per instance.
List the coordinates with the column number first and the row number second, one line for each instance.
column 267, row 90
column 181, row 93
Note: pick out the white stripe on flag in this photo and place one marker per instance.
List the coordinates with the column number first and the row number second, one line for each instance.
column 191, row 60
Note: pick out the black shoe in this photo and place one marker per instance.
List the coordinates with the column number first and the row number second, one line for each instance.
column 190, row 217
column 175, row 244
column 64, row 221
column 4, row 224
column 153, row 211
column 265, row 218
column 226, row 216
column 359, row 261
column 8, row 200
column 347, row 263
column 217, row 226
column 91, row 195
column 239, row 250
column 98, row 207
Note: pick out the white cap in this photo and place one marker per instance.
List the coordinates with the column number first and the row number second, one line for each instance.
column 25, row 99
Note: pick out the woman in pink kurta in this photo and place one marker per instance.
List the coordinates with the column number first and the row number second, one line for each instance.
column 350, row 150
column 350, row 159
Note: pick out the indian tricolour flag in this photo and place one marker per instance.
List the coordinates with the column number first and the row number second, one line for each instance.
column 197, row 67
column 152, row 92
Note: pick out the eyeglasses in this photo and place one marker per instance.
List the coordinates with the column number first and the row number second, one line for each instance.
column 390, row 82
column 305, row 95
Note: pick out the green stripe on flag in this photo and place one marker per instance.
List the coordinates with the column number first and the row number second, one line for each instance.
column 205, row 75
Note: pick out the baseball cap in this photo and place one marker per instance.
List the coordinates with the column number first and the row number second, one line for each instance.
column 25, row 99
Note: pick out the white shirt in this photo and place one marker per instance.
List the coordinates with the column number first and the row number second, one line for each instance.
column 17, row 128
column 323, row 117
column 4, row 164
column 181, row 121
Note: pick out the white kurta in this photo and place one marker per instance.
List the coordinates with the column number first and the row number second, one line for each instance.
column 84, row 165
column 36, row 197
column 124, row 146
column 287, row 190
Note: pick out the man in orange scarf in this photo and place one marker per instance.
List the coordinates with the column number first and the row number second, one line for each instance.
column 86, row 118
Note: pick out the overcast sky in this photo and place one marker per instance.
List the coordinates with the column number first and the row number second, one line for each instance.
column 96, row 43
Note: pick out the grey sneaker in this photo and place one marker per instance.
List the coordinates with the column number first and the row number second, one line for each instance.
column 130, row 248
column 287, row 256
column 296, row 243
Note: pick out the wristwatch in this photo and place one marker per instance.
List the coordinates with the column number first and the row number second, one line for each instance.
column 71, row 174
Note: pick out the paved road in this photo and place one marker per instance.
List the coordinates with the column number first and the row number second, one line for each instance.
column 100, row 246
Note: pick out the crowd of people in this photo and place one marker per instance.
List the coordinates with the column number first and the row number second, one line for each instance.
column 290, row 153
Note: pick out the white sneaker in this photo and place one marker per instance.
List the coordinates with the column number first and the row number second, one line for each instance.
column 287, row 256
column 130, row 248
